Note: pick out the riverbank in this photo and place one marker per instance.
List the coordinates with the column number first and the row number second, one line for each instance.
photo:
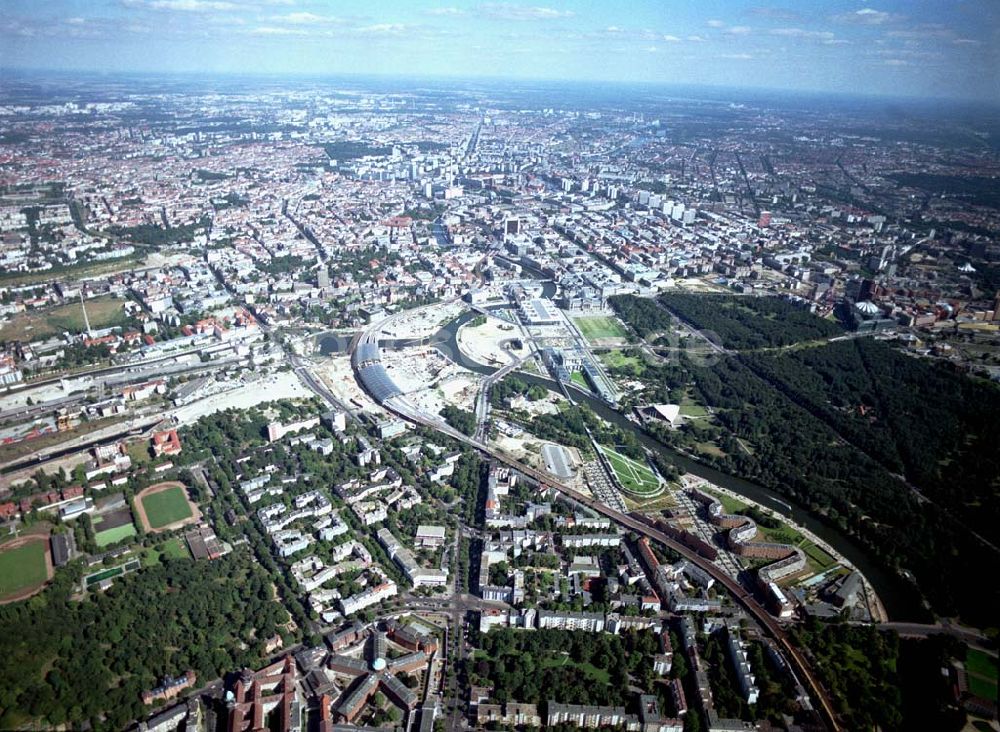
column 875, row 607
column 896, row 599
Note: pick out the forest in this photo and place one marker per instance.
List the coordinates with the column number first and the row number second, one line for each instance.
column 75, row 663
column 743, row 323
column 856, row 431
column 461, row 419
column 923, row 420
column 797, row 454
column 643, row 315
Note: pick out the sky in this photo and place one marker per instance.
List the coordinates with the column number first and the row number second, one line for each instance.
column 917, row 48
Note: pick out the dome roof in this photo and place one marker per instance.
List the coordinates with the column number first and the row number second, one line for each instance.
column 378, row 664
column 867, row 307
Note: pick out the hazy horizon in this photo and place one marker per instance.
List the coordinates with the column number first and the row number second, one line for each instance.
column 926, row 50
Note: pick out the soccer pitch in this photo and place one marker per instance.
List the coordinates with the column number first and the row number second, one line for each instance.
column 166, row 507
column 110, row 536
column 21, row 568
column 635, row 477
column 599, row 326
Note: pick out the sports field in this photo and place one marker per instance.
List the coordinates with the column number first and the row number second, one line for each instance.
column 110, row 536
column 34, row 324
column 981, row 671
column 22, row 568
column 635, row 477
column 977, row 662
column 599, row 326
column 165, row 507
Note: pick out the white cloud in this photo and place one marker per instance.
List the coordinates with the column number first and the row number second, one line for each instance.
column 695, row 39
column 445, row 12
column 865, row 16
column 739, row 30
column 737, row 56
column 383, row 29
column 715, row 24
column 195, row 6
column 641, row 35
column 507, row 11
column 303, row 18
column 270, row 30
column 802, row 33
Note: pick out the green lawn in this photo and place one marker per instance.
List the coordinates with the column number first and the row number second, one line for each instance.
column 634, row 476
column 694, row 410
column 981, row 671
column 173, row 548
column 982, row 687
column 618, row 360
column 599, row 675
column 36, row 324
column 110, row 536
column 166, row 507
column 729, row 504
column 709, row 448
column 985, row 665
column 817, row 558
column 579, row 379
column 599, row 326
column 21, row 568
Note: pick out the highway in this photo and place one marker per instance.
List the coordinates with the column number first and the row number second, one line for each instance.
column 799, row 663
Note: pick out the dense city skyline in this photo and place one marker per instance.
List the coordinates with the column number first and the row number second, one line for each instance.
column 926, row 49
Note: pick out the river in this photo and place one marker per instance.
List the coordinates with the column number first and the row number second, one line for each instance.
column 900, row 600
